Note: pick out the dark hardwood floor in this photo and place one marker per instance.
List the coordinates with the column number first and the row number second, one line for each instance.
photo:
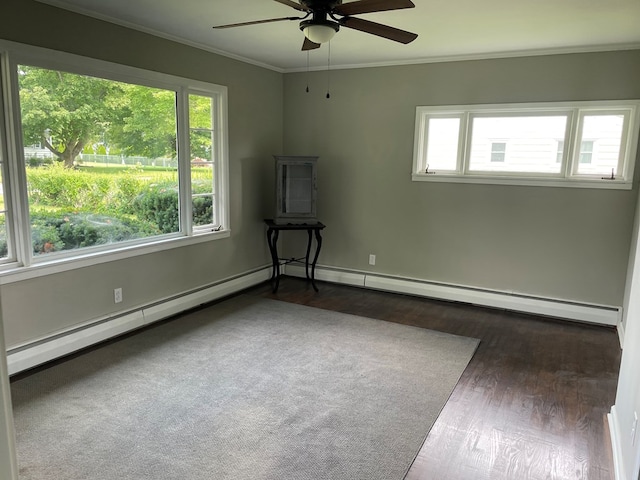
column 530, row 405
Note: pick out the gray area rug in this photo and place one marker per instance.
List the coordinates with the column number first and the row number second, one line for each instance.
column 248, row 388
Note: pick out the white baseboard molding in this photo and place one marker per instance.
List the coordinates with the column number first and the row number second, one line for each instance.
column 621, row 333
column 173, row 306
column 336, row 276
column 62, row 343
column 557, row 308
column 614, row 433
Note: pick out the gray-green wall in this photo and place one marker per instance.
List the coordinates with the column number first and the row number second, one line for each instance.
column 565, row 243
column 37, row 307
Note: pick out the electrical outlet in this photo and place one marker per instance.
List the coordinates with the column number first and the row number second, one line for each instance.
column 117, row 295
column 372, row 259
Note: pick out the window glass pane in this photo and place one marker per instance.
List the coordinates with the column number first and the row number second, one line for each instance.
column 516, row 144
column 4, row 247
column 442, row 143
column 202, row 193
column 100, row 160
column 202, row 135
column 600, row 144
column 200, row 112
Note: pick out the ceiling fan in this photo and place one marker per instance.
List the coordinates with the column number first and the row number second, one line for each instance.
column 327, row 16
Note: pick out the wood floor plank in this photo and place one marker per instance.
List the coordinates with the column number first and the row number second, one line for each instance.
column 530, row 404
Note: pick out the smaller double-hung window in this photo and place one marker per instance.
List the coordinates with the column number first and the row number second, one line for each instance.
column 587, row 144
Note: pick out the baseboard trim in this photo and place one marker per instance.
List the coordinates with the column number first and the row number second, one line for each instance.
column 616, row 446
column 557, row 308
column 621, row 334
column 30, row 355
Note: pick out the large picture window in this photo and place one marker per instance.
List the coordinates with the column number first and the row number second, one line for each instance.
column 591, row 144
column 106, row 157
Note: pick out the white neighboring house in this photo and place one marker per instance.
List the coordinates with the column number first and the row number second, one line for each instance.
column 537, row 145
column 37, row 151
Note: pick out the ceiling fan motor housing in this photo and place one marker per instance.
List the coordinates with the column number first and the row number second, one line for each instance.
column 319, row 5
column 324, row 22
column 316, row 29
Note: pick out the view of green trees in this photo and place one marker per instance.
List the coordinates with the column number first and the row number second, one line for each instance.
column 76, row 204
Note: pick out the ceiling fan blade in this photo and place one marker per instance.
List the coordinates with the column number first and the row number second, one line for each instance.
column 370, row 6
column 378, row 29
column 309, row 45
column 256, row 22
column 292, row 4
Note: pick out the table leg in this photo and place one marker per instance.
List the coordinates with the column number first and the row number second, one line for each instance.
column 306, row 262
column 315, row 258
column 272, row 240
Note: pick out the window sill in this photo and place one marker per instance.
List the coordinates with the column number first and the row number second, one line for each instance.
column 12, row 273
column 522, row 181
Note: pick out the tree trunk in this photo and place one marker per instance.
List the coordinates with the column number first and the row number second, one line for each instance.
column 70, row 152
column 67, row 157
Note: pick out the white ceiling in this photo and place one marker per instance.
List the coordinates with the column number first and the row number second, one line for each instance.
column 447, row 29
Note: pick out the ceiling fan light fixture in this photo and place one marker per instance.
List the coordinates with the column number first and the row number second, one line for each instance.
column 319, row 32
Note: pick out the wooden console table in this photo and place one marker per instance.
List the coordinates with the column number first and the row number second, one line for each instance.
column 273, row 232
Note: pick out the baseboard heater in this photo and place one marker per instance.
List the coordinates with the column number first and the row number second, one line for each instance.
column 32, row 354
column 556, row 308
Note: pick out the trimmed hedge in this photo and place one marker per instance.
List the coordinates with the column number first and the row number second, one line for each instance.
column 159, row 205
column 67, row 232
column 82, row 190
column 75, row 208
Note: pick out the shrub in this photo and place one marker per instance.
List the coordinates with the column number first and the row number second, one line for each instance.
column 61, row 187
column 128, row 187
column 77, row 233
column 44, row 236
column 39, row 162
column 202, row 210
column 4, row 250
column 89, row 191
column 66, row 232
column 134, row 202
column 159, row 205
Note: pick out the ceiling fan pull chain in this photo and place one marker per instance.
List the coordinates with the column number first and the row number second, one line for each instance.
column 329, row 71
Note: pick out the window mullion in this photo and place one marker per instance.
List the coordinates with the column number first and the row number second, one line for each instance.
column 184, row 164
column 465, row 143
column 576, row 139
column 222, row 167
column 569, row 165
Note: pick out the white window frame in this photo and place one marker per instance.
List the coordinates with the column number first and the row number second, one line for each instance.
column 568, row 175
column 22, row 264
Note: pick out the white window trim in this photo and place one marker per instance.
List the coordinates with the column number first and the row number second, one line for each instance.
column 24, row 265
column 567, row 177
